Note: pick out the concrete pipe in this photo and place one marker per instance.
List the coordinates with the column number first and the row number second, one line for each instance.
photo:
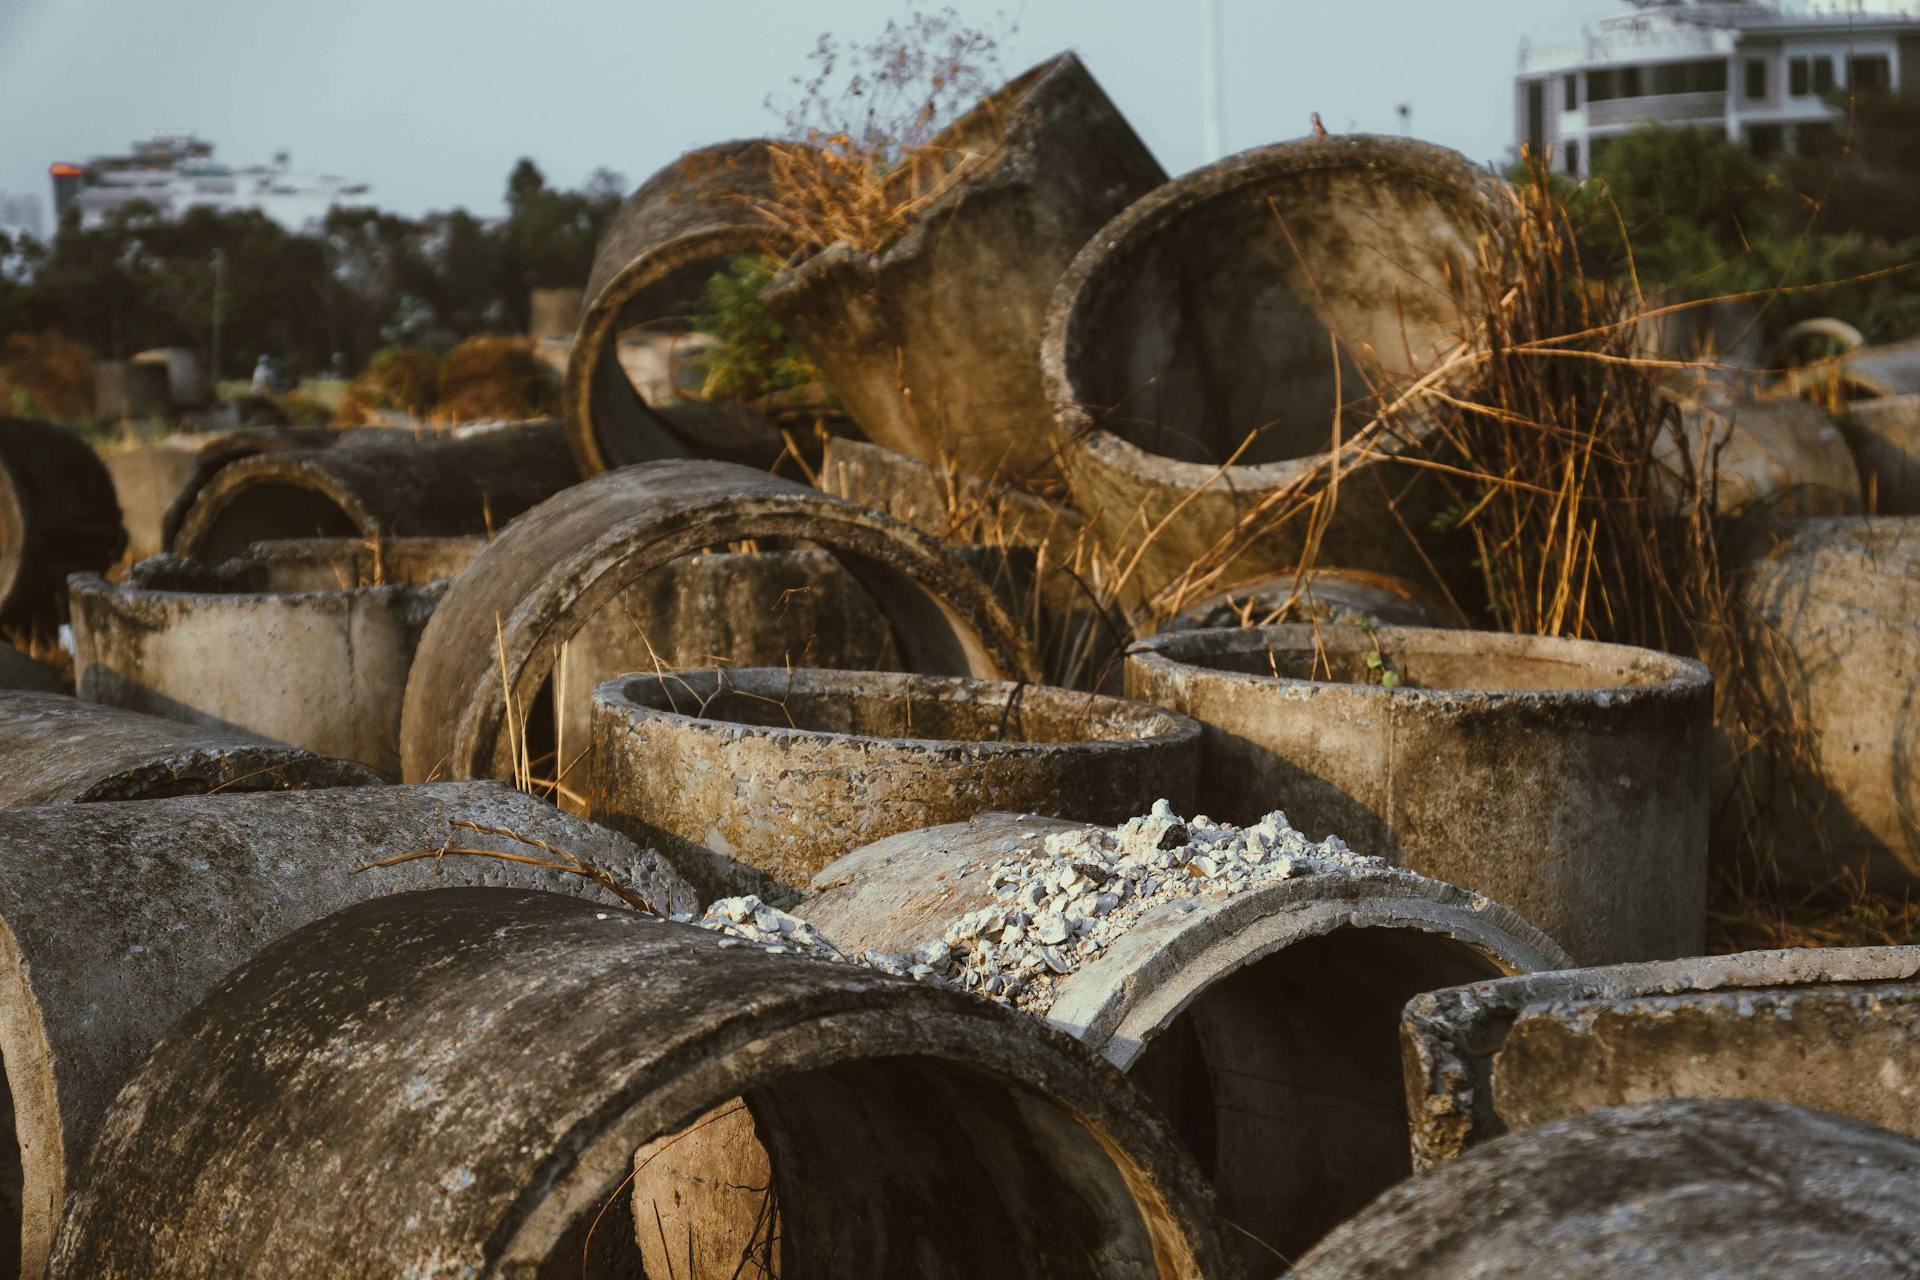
column 296, row 645
column 1338, row 596
column 125, row 389
column 1261, row 1022
column 786, row 770
column 57, row 516
column 1828, row 610
column 1205, row 318
column 1833, row 1028
column 21, row 671
column 914, row 1131
column 119, row 918
column 1706, row 1189
column 473, row 483
column 1777, row 457
column 949, row 505
column 503, row 623
column 186, row 384
column 933, row 341
column 671, row 236
column 60, row 750
column 156, row 481
column 1885, row 435
column 1567, row 779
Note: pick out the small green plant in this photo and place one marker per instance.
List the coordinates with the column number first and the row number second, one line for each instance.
column 754, row 357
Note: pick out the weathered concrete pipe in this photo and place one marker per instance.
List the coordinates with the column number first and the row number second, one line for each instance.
column 933, row 341
column 1706, row 1189
column 1833, row 1028
column 57, row 516
column 60, row 750
column 119, row 918
column 1775, row 457
column 1567, row 779
column 683, row 225
column 1262, row 1023
column 505, row 620
column 1830, row 614
column 468, row 483
column 786, row 770
column 1338, row 596
column 1205, row 318
column 296, row 645
column 914, row 1131
column 156, row 481
column 1885, row 435
column 22, row 671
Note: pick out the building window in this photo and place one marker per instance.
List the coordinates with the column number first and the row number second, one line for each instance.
column 1811, row 76
column 1573, row 158
column 1537, row 118
column 1871, row 74
column 1570, row 93
column 1629, row 80
column 1823, row 75
column 1797, row 80
column 1599, row 86
column 1766, row 140
column 1756, row 78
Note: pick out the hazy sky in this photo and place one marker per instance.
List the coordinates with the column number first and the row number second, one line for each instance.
column 432, row 100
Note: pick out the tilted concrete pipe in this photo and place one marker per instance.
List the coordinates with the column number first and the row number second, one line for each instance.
column 933, row 340
column 57, row 516
column 118, row 918
column 1565, row 778
column 472, row 482
column 1778, row 457
column 1706, row 1189
column 1206, row 317
column 786, row 770
column 501, row 627
column 1833, row 1028
column 482, row 1066
column 60, row 750
column 1262, row 1022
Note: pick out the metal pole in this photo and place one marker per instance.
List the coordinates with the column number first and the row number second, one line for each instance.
column 219, row 298
column 1213, row 107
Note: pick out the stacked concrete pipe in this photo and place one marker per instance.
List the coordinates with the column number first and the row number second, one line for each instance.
column 1565, row 778
column 932, row 341
column 1262, row 1022
column 313, row 640
column 60, row 750
column 1207, row 317
column 500, row 630
column 786, row 770
column 157, row 481
column 57, row 516
column 468, row 483
column 1706, row 1189
column 482, row 1065
column 1885, row 435
column 1832, row 1028
column 119, row 918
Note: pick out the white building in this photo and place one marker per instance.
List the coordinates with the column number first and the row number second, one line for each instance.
column 1762, row 73
column 176, row 172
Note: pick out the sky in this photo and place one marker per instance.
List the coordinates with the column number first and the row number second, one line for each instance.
column 432, row 101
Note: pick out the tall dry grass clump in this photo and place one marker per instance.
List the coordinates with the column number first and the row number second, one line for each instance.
column 46, row 375
column 398, row 380
column 494, row 378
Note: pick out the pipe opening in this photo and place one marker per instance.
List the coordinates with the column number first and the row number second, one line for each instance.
column 275, row 510
column 12, row 1183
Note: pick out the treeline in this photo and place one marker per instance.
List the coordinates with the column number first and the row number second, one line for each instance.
column 366, row 281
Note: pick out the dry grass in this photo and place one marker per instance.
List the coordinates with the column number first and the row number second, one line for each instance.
column 47, row 376
column 494, row 378
column 1747, row 915
column 399, row 379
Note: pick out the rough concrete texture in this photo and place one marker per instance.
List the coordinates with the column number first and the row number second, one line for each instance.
column 759, row 609
column 1340, row 596
column 60, row 750
column 472, row 482
column 1864, row 373
column 1831, row 619
column 933, row 342
column 1261, row 1022
column 1778, row 457
column 1885, row 435
column 381, row 1057
column 1567, row 779
column 946, row 503
column 505, row 619
column 554, row 312
column 156, row 481
column 1206, row 313
column 666, row 241
column 345, row 564
column 786, row 770
column 1834, row 1028
column 57, row 516
column 19, row 671
column 186, row 382
column 252, row 646
column 1708, row 1190
column 115, row 919
column 129, row 389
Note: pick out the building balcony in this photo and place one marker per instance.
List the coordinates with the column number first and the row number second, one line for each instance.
column 1676, row 108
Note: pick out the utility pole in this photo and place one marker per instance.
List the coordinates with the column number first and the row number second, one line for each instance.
column 1213, row 106
column 219, row 300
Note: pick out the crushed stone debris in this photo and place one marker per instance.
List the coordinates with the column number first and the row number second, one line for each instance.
column 1061, row 901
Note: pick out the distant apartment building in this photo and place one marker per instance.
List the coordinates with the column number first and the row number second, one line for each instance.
column 20, row 215
column 1764, row 74
column 176, row 172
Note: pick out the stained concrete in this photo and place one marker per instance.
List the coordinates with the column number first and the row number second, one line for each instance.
column 57, row 516
column 60, row 750
column 482, row 1065
column 1326, row 596
column 1833, row 1028
column 20, row 671
column 115, row 919
column 1261, row 1024
column 1779, row 457
column 786, row 770
column 1885, row 435
column 502, row 624
column 1566, row 779
column 1709, row 1190
column 156, row 481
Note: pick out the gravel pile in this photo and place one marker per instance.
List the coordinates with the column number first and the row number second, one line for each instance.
column 1063, row 900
